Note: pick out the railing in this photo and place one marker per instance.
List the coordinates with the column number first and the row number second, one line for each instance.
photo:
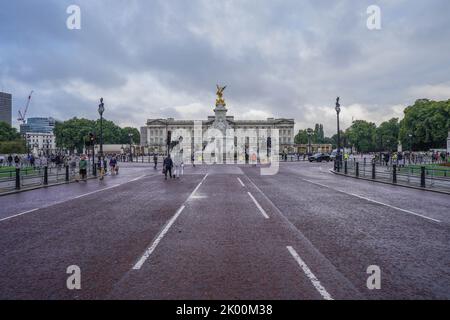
column 415, row 175
column 29, row 177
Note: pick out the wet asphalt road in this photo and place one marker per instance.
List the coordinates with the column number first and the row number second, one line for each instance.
column 225, row 232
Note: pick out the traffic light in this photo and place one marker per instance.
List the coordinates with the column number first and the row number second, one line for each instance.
column 91, row 139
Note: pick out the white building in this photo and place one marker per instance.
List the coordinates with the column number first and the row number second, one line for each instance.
column 154, row 134
column 41, row 143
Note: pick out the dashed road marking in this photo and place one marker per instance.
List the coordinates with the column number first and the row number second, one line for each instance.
column 258, row 206
column 166, row 228
column 240, row 181
column 155, row 243
column 315, row 282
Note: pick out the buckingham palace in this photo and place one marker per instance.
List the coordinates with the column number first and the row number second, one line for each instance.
column 154, row 134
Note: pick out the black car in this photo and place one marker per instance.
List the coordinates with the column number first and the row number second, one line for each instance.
column 319, row 157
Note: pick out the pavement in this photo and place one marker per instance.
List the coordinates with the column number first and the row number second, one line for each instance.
column 225, row 232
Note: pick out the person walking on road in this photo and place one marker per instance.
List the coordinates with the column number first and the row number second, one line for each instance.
column 113, row 165
column 167, row 166
column 83, row 168
column 155, row 160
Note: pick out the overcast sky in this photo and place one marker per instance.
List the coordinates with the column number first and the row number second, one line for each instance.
column 279, row 58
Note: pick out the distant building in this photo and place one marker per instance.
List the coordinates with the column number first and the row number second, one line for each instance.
column 38, row 125
column 6, row 107
column 41, row 143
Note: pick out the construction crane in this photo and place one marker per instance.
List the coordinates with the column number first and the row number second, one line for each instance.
column 23, row 115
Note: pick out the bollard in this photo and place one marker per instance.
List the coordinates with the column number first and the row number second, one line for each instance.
column 357, row 169
column 422, row 177
column 394, row 173
column 45, row 175
column 345, row 167
column 17, row 178
column 373, row 170
column 67, row 173
column 335, row 166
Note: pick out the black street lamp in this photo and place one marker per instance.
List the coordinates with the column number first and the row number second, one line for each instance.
column 309, row 132
column 101, row 109
column 130, row 135
column 410, row 147
column 338, row 110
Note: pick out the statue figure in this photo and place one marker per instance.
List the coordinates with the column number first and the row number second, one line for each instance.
column 220, row 100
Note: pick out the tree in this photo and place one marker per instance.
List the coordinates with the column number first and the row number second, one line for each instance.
column 429, row 123
column 8, row 133
column 301, row 137
column 73, row 134
column 10, row 140
column 387, row 135
column 361, row 134
column 125, row 135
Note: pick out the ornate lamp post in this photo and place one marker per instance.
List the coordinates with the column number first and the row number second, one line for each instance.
column 309, row 132
column 101, row 109
column 338, row 110
column 410, row 147
column 130, row 135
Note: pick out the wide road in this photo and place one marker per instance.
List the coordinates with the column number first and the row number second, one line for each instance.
column 225, row 232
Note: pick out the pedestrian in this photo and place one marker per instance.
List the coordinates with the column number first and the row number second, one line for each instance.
column 10, row 160
column 32, row 161
column 386, row 158
column 17, row 161
column 167, row 166
column 83, row 166
column 113, row 164
column 155, row 160
column 73, row 164
column 101, row 167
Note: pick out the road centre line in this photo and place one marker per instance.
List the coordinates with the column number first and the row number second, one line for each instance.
column 258, row 206
column 163, row 232
column 315, row 282
column 374, row 201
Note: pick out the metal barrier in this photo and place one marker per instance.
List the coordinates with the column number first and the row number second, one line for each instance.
column 28, row 177
column 420, row 176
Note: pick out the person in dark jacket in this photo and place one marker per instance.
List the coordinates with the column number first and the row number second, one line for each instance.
column 167, row 166
column 155, row 160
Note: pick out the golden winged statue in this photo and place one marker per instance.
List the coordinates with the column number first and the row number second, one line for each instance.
column 220, row 100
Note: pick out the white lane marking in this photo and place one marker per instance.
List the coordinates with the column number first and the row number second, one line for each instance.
column 161, row 235
column 59, row 202
column 19, row 214
column 135, row 179
column 196, row 188
column 155, row 243
column 374, row 201
column 259, row 207
column 240, row 181
column 316, row 283
column 89, row 193
column 397, row 208
column 69, row 199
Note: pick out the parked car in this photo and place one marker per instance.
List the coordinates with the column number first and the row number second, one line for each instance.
column 319, row 157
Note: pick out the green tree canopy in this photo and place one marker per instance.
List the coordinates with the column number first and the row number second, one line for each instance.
column 73, row 133
column 429, row 123
column 387, row 135
column 361, row 134
column 8, row 133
